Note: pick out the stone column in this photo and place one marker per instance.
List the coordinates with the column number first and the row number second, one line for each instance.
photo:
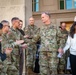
column 28, row 10
column 28, row 13
column 12, row 8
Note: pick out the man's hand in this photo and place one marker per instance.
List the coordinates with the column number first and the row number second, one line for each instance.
column 0, row 40
column 60, row 51
column 26, row 36
column 18, row 42
column 8, row 51
column 24, row 46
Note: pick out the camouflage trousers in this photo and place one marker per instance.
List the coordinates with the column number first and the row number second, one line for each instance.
column 9, row 68
column 30, row 57
column 48, row 63
column 63, row 62
column 15, row 62
column 61, row 65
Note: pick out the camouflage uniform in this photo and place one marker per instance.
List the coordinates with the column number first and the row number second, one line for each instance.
column 31, row 31
column 17, row 49
column 1, row 67
column 9, row 67
column 62, row 39
column 48, row 51
column 8, row 40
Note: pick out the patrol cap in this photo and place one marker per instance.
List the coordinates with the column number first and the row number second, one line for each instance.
column 1, row 25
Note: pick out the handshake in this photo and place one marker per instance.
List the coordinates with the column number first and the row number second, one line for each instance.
column 21, row 43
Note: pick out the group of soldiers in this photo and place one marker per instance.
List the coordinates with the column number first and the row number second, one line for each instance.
column 12, row 41
column 15, row 40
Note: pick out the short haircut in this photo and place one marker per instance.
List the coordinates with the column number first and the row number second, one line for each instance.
column 4, row 21
column 1, row 25
column 21, row 21
column 62, row 23
column 14, row 18
column 31, row 17
column 47, row 13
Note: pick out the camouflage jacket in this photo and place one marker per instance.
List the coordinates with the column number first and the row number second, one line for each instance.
column 5, row 42
column 16, row 34
column 32, row 32
column 49, row 38
column 62, row 38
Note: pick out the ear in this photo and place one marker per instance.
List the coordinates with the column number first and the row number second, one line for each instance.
column 13, row 22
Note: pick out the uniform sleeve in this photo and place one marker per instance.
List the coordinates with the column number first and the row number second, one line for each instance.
column 32, row 38
column 11, row 38
column 36, row 36
column 59, row 35
column 26, row 31
column 61, row 39
column 4, row 44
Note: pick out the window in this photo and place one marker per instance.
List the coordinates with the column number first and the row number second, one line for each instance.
column 61, row 4
column 74, row 3
column 67, row 4
column 35, row 5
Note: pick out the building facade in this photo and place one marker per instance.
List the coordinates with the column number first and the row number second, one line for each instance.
column 61, row 11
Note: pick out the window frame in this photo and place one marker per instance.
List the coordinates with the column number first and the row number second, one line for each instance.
column 33, row 4
column 65, row 5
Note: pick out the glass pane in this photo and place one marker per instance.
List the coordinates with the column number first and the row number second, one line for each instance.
column 36, row 1
column 74, row 3
column 68, row 4
column 61, row 4
column 36, row 7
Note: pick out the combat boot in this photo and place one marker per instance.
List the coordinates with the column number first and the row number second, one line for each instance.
column 30, row 72
column 67, row 72
column 61, row 72
column 54, row 72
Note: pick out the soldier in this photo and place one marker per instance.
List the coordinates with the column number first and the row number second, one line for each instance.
column 31, row 31
column 70, row 43
column 62, row 39
column 3, row 56
column 8, row 42
column 21, row 52
column 8, row 65
column 17, row 36
column 48, row 51
column 20, row 27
